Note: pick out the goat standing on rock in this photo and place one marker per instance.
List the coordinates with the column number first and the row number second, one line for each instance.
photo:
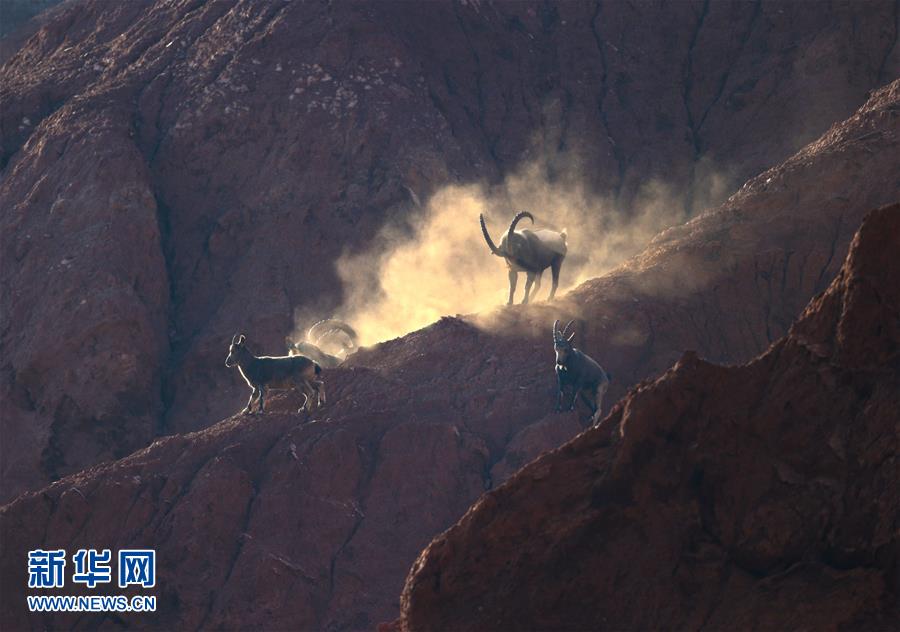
column 531, row 252
column 579, row 371
column 284, row 372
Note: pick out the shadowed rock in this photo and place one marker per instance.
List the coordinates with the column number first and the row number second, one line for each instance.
column 761, row 496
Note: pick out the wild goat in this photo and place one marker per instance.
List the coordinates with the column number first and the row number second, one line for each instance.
column 325, row 334
column 530, row 252
column 285, row 372
column 576, row 369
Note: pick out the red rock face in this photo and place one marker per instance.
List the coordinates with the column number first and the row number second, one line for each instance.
column 758, row 496
column 174, row 173
column 276, row 523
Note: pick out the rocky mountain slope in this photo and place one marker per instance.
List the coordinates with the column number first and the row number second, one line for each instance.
column 173, row 172
column 272, row 522
column 761, row 496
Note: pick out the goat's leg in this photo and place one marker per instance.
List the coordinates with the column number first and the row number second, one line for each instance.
column 305, row 402
column 513, row 279
column 601, row 391
column 575, row 390
column 589, row 401
column 587, row 396
column 537, row 284
column 319, row 385
column 261, row 407
column 529, row 280
column 554, row 269
column 559, row 392
column 299, row 385
column 304, row 388
column 314, row 398
column 249, row 402
column 312, row 395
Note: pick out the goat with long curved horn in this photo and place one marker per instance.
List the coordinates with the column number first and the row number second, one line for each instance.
column 529, row 251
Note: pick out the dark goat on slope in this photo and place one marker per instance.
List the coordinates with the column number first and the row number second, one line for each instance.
column 283, row 372
column 579, row 371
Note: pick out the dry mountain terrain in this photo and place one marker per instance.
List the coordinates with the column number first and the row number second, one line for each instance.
column 173, row 172
column 272, row 522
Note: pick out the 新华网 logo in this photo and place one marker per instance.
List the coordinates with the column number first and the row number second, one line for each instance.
column 136, row 567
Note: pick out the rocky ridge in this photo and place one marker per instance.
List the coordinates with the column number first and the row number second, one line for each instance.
column 274, row 522
column 169, row 167
column 755, row 496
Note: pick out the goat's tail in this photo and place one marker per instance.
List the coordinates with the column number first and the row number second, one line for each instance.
column 564, row 235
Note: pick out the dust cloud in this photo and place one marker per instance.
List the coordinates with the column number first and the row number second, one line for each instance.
column 437, row 263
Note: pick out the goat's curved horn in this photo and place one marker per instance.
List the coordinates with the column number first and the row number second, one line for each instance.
column 487, row 238
column 556, row 328
column 566, row 328
column 512, row 225
column 313, row 331
column 234, row 338
column 240, row 340
column 351, row 339
column 347, row 329
column 336, row 330
column 327, row 327
column 570, row 337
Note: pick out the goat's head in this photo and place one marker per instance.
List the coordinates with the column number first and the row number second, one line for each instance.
column 561, row 344
column 235, row 349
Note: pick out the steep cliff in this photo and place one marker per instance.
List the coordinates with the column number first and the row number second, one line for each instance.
column 761, row 496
